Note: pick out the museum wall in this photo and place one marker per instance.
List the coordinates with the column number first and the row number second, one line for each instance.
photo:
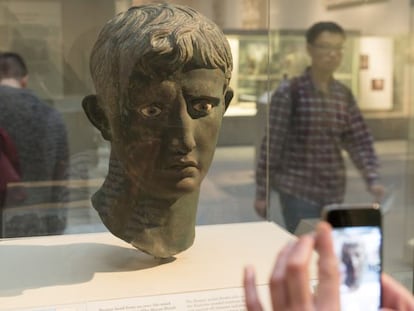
column 79, row 32
column 78, row 37
column 298, row 14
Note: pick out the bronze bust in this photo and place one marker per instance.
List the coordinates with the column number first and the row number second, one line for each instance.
column 161, row 74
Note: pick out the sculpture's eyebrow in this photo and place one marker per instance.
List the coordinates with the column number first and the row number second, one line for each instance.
column 201, row 91
column 213, row 99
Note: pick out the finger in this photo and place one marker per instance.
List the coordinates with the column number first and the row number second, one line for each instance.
column 327, row 292
column 250, row 292
column 278, row 288
column 299, row 292
column 394, row 295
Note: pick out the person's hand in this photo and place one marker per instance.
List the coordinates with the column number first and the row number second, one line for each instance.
column 261, row 208
column 289, row 282
column 378, row 191
column 395, row 296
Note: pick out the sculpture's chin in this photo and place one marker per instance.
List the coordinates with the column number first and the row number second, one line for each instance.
column 159, row 227
column 167, row 185
column 161, row 245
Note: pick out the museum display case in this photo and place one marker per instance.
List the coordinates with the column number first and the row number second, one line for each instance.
column 264, row 58
column 267, row 43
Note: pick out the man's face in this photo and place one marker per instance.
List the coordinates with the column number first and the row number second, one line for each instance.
column 167, row 136
column 326, row 51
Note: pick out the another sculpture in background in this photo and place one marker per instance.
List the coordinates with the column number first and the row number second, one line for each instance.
column 161, row 74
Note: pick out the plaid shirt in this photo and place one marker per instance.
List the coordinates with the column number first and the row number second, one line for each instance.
column 306, row 142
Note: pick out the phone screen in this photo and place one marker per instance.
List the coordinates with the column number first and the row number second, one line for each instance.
column 359, row 252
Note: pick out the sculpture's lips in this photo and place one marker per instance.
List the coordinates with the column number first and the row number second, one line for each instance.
column 182, row 164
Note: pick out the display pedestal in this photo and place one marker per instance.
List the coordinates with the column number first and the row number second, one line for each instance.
column 98, row 271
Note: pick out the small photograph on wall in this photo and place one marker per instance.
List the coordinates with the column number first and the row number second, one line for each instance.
column 377, row 84
column 363, row 61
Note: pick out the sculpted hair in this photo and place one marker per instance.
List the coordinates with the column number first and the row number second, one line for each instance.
column 347, row 247
column 154, row 41
column 12, row 65
column 316, row 29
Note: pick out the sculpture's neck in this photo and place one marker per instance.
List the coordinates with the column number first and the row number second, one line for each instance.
column 159, row 227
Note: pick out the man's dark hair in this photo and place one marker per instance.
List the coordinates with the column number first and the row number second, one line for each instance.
column 316, row 29
column 12, row 65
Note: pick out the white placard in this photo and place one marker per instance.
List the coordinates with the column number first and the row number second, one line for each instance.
column 228, row 299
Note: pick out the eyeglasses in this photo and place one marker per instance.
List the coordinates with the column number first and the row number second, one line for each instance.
column 329, row 48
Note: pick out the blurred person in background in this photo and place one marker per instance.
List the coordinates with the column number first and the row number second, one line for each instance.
column 312, row 119
column 40, row 139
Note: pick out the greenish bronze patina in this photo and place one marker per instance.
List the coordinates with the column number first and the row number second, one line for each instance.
column 161, row 73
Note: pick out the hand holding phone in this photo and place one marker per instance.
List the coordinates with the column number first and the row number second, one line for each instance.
column 357, row 237
column 291, row 291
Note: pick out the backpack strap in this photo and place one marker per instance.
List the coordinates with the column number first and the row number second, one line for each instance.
column 9, row 173
column 8, row 149
column 294, row 96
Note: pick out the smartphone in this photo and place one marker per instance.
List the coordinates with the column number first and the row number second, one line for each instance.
column 357, row 236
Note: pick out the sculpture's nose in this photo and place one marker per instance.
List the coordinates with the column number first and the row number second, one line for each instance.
column 181, row 129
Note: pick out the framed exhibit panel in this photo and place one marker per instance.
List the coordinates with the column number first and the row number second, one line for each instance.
column 262, row 59
column 376, row 73
column 252, row 64
column 293, row 58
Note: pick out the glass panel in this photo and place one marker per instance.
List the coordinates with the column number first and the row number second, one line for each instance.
column 55, row 37
column 408, row 213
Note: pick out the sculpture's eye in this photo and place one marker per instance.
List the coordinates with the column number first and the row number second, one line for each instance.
column 150, row 111
column 203, row 106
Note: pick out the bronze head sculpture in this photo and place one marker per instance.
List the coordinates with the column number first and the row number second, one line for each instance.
column 161, row 74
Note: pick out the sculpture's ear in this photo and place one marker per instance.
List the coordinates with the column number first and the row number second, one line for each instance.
column 228, row 97
column 96, row 115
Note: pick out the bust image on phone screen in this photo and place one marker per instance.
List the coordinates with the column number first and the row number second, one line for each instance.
column 359, row 253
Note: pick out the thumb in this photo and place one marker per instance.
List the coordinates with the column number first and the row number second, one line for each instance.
column 327, row 293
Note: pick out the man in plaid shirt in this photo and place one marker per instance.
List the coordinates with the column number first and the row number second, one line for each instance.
column 313, row 118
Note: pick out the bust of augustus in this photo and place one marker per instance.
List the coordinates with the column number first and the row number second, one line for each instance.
column 161, row 74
